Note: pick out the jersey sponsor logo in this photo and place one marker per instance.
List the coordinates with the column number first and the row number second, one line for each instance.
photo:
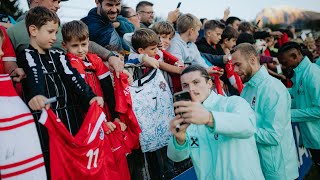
column 162, row 86
column 194, row 142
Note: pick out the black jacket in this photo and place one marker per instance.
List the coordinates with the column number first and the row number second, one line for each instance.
column 204, row 47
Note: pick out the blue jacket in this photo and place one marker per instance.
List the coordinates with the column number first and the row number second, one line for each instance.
column 271, row 101
column 102, row 31
column 306, row 102
column 227, row 151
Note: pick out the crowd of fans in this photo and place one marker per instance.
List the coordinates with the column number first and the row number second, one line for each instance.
column 247, row 85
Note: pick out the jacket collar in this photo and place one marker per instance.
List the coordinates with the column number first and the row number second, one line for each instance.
column 93, row 13
column 35, row 50
column 211, row 99
column 257, row 78
column 303, row 64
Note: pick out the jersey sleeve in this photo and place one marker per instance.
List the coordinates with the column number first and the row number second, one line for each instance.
column 9, row 54
column 34, row 74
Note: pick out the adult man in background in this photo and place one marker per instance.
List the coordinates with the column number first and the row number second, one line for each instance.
column 105, row 25
column 305, row 96
column 271, row 101
column 146, row 14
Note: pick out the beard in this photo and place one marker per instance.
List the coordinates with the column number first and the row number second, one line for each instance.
column 105, row 14
column 248, row 75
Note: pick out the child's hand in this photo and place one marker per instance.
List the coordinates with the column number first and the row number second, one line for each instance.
column 123, row 126
column 150, row 62
column 130, row 78
column 98, row 99
column 38, row 102
column 18, row 74
column 179, row 64
column 111, row 127
column 212, row 71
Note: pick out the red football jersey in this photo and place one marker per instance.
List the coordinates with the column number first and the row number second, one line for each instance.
column 88, row 155
column 92, row 71
column 124, row 108
column 9, row 54
column 117, row 141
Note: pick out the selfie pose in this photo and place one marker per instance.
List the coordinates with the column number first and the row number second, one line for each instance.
column 215, row 131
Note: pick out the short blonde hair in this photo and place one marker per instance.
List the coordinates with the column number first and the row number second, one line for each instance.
column 186, row 22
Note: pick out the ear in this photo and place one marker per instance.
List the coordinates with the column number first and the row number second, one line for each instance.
column 210, row 83
column 294, row 56
column 225, row 41
column 252, row 59
column 208, row 33
column 33, row 30
column 64, row 45
column 141, row 51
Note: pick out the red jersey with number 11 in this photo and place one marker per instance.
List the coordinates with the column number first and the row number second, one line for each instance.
column 87, row 155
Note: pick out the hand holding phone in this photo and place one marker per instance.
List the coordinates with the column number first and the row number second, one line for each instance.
column 181, row 96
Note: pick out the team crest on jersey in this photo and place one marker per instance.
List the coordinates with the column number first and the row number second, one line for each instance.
column 101, row 135
column 194, row 142
column 253, row 102
column 162, row 86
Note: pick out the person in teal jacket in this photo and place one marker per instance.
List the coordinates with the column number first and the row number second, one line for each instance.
column 216, row 132
column 305, row 93
column 271, row 101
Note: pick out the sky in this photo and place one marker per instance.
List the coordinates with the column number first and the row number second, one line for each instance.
column 211, row 9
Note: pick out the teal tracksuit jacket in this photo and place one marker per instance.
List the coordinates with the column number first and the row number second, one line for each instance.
column 228, row 150
column 305, row 94
column 271, row 101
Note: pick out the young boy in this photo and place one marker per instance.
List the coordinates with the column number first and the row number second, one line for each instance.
column 209, row 43
column 166, row 32
column 145, row 42
column 182, row 45
column 228, row 39
column 91, row 68
column 49, row 74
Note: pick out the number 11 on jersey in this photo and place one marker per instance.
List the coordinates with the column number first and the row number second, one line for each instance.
column 90, row 155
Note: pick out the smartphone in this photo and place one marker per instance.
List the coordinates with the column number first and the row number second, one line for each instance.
column 179, row 4
column 181, row 96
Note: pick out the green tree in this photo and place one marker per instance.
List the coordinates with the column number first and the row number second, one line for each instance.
column 10, row 7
